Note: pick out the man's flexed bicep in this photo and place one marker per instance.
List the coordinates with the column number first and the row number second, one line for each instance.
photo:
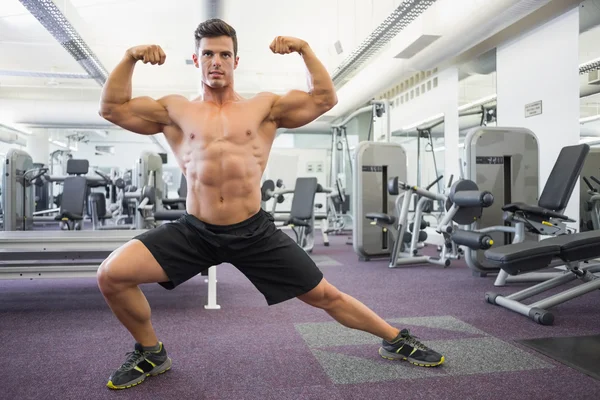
column 298, row 108
column 142, row 115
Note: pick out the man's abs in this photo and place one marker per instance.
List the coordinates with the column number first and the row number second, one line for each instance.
column 223, row 153
column 223, row 182
column 204, row 203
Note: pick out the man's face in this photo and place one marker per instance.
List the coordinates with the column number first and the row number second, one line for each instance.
column 216, row 59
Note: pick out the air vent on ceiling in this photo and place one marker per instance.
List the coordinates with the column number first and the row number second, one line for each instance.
column 594, row 77
column 418, row 45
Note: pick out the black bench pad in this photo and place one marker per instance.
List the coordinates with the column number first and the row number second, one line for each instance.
column 168, row 215
column 532, row 256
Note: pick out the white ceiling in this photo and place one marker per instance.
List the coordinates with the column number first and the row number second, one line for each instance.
column 109, row 27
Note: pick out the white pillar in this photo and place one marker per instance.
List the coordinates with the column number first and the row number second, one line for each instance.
column 38, row 146
column 449, row 79
column 543, row 66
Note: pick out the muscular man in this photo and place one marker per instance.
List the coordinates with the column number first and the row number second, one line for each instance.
column 222, row 142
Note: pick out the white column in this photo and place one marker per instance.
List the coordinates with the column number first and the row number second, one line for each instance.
column 449, row 80
column 542, row 66
column 38, row 146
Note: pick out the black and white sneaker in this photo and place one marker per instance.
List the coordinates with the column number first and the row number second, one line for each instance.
column 407, row 348
column 140, row 364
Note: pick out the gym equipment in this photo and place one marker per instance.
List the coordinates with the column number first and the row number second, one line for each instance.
column 464, row 203
column 375, row 163
column 68, row 254
column 144, row 195
column 302, row 215
column 546, row 217
column 341, row 161
column 591, row 220
column 504, row 162
column 17, row 197
column 174, row 208
column 268, row 192
column 590, row 168
column 41, row 190
column 572, row 250
column 336, row 208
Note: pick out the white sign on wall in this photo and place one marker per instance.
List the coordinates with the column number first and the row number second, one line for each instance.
column 533, row 109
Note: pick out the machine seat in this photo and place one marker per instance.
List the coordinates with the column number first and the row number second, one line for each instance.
column 533, row 210
column 168, row 215
column 298, row 222
column 73, row 198
column 68, row 215
column 388, row 219
column 532, row 256
column 173, row 202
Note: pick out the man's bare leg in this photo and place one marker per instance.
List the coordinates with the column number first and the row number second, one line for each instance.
column 118, row 280
column 348, row 311
column 396, row 345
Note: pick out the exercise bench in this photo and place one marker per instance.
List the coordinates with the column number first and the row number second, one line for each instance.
column 575, row 250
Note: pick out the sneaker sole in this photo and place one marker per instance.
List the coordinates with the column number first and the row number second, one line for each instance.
column 397, row 357
column 159, row 369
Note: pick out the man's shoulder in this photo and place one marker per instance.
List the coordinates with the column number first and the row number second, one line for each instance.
column 172, row 99
column 267, row 96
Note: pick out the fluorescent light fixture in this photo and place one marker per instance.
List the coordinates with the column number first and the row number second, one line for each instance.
column 589, row 119
column 460, row 146
column 589, row 139
column 425, row 121
column 18, row 129
column 57, row 24
column 58, row 143
column 480, row 102
column 464, row 107
column 101, row 133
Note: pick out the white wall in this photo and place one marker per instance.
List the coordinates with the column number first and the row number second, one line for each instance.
column 543, row 66
column 442, row 99
column 125, row 156
column 289, row 164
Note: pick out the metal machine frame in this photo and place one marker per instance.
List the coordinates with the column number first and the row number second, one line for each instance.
column 69, row 254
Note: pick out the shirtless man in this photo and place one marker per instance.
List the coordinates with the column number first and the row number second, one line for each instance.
column 222, row 142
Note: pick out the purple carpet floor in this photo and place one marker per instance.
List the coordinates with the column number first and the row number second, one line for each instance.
column 60, row 340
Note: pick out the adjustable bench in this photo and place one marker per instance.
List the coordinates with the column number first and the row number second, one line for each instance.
column 532, row 256
column 175, row 207
column 302, row 213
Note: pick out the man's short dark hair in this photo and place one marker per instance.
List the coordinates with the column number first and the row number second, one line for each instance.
column 215, row 27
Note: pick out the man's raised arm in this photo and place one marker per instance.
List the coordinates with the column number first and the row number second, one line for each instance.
column 142, row 115
column 298, row 108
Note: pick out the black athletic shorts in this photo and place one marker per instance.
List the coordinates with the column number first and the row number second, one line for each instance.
column 278, row 267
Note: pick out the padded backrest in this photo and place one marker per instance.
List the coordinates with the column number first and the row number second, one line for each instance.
column 564, row 176
column 73, row 195
column 182, row 191
column 100, row 200
column 77, row 167
column 303, row 202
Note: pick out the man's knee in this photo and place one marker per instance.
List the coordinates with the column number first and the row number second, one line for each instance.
column 324, row 296
column 130, row 265
column 110, row 276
